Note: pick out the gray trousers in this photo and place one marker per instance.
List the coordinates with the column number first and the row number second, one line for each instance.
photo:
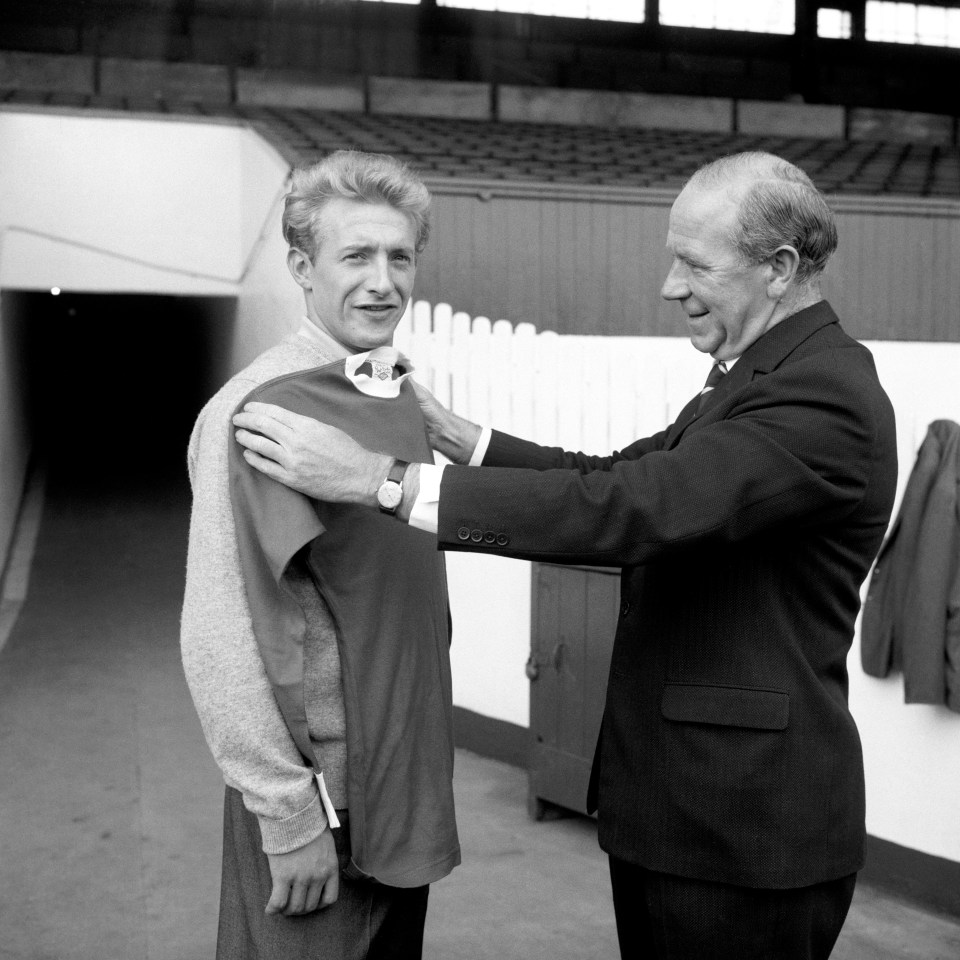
column 369, row 921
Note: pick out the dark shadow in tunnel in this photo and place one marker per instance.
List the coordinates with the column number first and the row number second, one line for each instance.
column 115, row 382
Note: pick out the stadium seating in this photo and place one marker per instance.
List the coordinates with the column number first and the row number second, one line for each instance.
column 483, row 150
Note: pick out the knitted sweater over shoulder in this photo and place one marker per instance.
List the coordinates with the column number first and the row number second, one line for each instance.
column 241, row 720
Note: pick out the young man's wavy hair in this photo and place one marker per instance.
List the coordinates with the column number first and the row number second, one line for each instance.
column 351, row 175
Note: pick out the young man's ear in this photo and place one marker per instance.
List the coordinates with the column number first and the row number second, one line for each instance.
column 784, row 264
column 299, row 265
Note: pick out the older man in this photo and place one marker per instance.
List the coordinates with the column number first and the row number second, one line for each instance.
column 315, row 635
column 728, row 775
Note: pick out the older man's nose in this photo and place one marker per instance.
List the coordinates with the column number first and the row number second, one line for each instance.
column 674, row 287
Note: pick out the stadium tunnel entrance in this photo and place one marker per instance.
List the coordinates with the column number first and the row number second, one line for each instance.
column 112, row 383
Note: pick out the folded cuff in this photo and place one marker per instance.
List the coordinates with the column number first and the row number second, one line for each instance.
column 282, row 836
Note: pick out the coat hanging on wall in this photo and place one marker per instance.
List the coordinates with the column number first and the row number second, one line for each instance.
column 911, row 617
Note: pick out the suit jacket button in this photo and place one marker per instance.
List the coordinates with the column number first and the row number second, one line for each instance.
column 490, row 537
column 476, row 536
column 502, row 539
column 463, row 533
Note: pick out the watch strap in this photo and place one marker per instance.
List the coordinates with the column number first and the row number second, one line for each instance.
column 397, row 471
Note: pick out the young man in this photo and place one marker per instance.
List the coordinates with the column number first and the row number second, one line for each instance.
column 315, row 636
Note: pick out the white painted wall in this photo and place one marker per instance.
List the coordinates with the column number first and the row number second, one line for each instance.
column 911, row 752
column 269, row 303
column 124, row 204
column 490, row 605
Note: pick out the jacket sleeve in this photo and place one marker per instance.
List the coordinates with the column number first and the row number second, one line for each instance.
column 509, row 451
column 796, row 447
column 233, row 697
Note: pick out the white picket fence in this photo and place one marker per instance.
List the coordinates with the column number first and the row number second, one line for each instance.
column 591, row 393
column 598, row 394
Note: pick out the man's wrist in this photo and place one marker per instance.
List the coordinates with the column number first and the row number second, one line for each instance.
column 459, row 438
column 469, row 436
column 390, row 492
column 380, row 466
column 411, row 489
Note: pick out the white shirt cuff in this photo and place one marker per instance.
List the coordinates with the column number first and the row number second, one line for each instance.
column 425, row 512
column 480, row 450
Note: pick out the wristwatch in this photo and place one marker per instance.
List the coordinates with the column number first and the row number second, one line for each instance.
column 390, row 492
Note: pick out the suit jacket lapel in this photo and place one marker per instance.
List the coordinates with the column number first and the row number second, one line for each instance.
column 686, row 416
column 759, row 359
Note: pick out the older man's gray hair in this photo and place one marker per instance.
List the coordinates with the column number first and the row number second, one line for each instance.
column 778, row 205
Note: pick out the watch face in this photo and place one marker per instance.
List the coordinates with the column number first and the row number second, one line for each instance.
column 389, row 495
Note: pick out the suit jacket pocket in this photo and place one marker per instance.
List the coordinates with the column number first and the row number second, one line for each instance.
column 750, row 707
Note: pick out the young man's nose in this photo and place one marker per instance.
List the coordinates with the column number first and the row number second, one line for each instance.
column 379, row 279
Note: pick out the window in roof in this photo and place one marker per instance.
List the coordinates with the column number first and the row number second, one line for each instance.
column 836, row 24
column 629, row 11
column 758, row 16
column 913, row 23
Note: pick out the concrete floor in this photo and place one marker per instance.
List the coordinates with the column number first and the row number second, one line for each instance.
column 110, row 804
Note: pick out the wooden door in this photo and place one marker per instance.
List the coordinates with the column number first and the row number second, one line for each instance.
column 574, row 614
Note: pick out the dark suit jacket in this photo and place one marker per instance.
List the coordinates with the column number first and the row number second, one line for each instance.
column 911, row 618
column 727, row 751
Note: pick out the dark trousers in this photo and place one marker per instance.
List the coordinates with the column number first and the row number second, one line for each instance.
column 369, row 921
column 665, row 917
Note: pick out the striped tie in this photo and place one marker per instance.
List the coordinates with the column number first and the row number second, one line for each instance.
column 717, row 373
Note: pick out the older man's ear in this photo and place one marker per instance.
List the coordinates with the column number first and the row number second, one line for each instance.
column 783, row 264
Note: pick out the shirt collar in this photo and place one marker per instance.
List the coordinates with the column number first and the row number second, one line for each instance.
column 374, row 386
column 371, row 386
column 728, row 363
column 329, row 347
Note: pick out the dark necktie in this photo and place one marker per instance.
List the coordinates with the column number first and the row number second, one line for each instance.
column 717, row 372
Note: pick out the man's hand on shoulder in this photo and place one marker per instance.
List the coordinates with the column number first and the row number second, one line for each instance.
column 312, row 457
column 305, row 879
column 451, row 435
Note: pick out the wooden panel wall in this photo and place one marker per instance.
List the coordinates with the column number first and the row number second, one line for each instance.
column 592, row 261
column 586, row 266
column 896, row 273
